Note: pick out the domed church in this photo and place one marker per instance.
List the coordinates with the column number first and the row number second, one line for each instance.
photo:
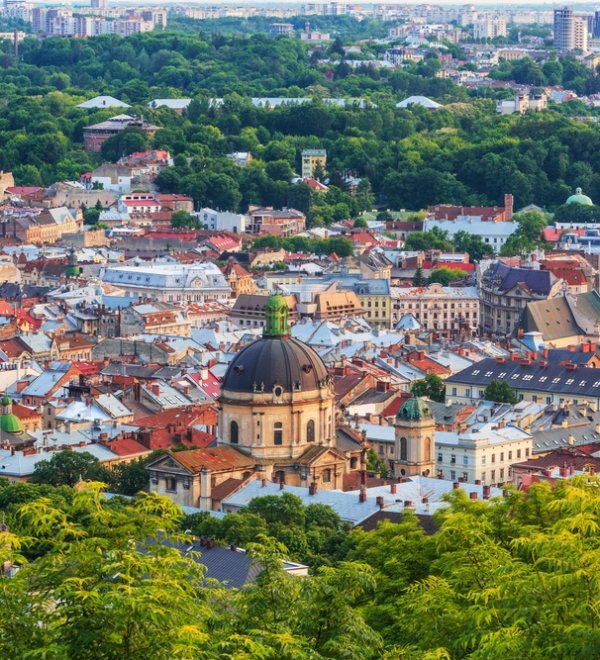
column 276, row 422
column 277, row 404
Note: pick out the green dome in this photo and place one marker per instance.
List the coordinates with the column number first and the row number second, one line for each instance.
column 580, row 198
column 414, row 408
column 276, row 317
column 6, row 400
column 10, row 424
column 72, row 271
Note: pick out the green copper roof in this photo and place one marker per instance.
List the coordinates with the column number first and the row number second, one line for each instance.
column 72, row 271
column 6, row 400
column 580, row 198
column 276, row 317
column 414, row 408
column 10, row 424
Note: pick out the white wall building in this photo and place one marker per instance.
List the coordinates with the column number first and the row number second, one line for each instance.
column 236, row 223
column 493, row 233
column 200, row 282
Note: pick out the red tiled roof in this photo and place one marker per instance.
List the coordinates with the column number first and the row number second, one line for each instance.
column 23, row 190
column 6, row 309
column 391, row 410
column 126, row 447
column 353, row 480
column 179, row 417
column 218, row 458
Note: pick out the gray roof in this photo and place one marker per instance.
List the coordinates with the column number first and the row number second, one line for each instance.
column 552, row 378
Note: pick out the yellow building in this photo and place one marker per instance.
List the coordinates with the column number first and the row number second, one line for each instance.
column 311, row 159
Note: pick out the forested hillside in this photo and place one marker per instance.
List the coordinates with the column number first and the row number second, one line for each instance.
column 462, row 153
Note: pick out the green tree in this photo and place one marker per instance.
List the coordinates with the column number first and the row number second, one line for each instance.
column 445, row 276
column 475, row 246
column 433, row 239
column 431, row 386
column 376, row 464
column 500, row 392
column 419, row 279
column 360, row 223
column 185, row 220
column 67, row 468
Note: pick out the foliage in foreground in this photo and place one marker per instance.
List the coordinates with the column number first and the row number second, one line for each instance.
column 517, row 578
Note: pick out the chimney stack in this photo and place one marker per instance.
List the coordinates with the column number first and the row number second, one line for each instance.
column 455, row 485
column 263, row 483
column 281, row 485
column 393, row 488
column 473, row 495
column 379, row 501
column 486, row 492
column 362, row 495
column 312, row 488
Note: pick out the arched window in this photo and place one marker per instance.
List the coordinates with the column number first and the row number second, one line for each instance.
column 428, row 449
column 310, row 431
column 280, row 477
column 278, row 434
column 234, row 433
column 403, row 449
column 353, row 463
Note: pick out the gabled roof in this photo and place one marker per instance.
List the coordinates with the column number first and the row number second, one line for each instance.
column 103, row 102
column 217, row 459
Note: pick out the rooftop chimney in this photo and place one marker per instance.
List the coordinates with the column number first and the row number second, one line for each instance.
column 263, row 483
column 486, row 492
column 380, row 502
column 312, row 488
column 393, row 488
column 362, row 495
column 455, row 485
column 473, row 495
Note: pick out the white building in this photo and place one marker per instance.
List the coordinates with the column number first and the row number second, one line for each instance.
column 483, row 454
column 444, row 309
column 200, row 282
column 236, row 223
column 493, row 233
column 490, row 27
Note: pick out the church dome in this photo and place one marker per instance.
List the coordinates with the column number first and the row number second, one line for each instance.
column 9, row 423
column 277, row 360
column 580, row 198
column 413, row 409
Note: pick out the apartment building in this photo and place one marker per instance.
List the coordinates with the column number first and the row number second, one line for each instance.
column 443, row 309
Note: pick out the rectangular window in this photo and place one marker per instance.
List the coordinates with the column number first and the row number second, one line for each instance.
column 501, row 457
column 483, row 460
column 440, row 458
column 465, row 460
column 171, row 484
column 518, row 453
column 493, row 476
column 452, row 459
column 493, row 458
column 452, row 475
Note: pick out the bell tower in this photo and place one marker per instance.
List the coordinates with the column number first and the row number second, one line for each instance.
column 414, row 440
